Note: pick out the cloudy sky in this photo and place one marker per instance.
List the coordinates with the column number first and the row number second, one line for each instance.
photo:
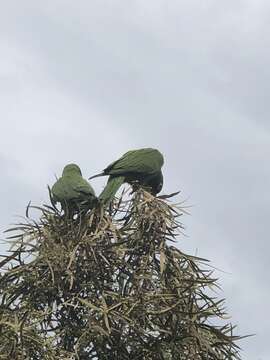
column 84, row 81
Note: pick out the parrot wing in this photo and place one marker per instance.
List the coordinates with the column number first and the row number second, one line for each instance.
column 71, row 188
column 83, row 187
column 137, row 161
column 62, row 191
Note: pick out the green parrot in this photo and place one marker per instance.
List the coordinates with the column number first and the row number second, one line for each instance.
column 72, row 191
column 141, row 166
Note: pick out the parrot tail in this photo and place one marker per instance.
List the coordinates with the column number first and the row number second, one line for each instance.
column 94, row 176
column 111, row 188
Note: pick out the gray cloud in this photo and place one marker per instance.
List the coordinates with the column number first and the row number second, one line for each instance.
column 86, row 81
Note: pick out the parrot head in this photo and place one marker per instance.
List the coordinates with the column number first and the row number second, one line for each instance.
column 155, row 182
column 72, row 169
column 158, row 183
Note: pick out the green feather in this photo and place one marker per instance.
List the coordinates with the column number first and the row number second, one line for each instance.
column 142, row 166
column 72, row 190
column 138, row 161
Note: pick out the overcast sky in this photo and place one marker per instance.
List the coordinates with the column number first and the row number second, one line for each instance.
column 85, row 81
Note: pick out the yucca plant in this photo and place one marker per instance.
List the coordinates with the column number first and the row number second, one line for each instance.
column 109, row 285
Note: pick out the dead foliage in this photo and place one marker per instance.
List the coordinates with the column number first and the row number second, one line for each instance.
column 109, row 285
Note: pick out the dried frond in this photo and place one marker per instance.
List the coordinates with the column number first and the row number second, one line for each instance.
column 109, row 285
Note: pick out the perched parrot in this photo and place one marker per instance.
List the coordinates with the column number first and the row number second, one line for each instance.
column 141, row 166
column 72, row 191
